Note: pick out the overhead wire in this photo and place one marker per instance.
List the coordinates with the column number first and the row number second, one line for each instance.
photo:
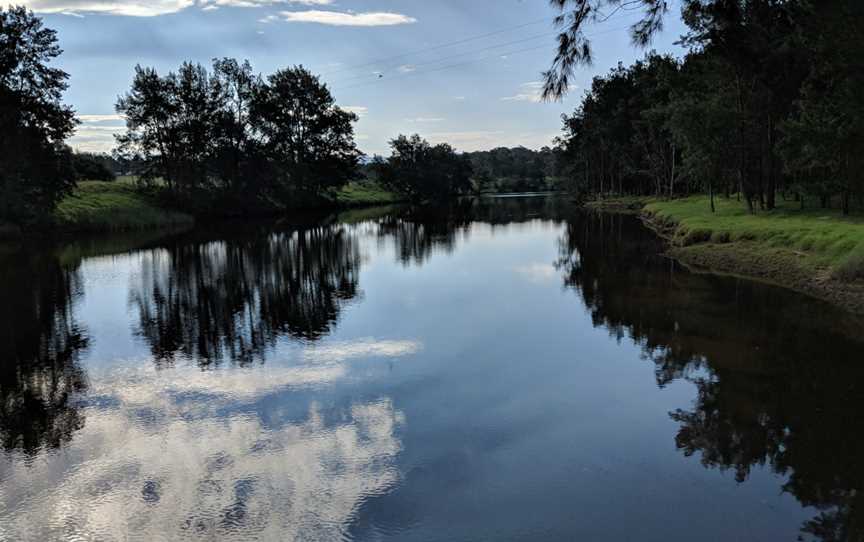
column 472, row 61
column 438, row 46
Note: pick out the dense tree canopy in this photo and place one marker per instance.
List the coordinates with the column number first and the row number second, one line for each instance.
column 231, row 137
column 764, row 103
column 517, row 169
column 420, row 171
column 35, row 166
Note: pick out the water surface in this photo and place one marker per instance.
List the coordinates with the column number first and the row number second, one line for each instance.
column 500, row 369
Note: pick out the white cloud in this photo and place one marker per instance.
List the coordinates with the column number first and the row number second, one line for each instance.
column 213, row 4
column 101, row 118
column 426, row 119
column 528, row 92
column 406, row 68
column 345, row 18
column 150, row 8
column 132, row 8
column 359, row 110
column 96, row 132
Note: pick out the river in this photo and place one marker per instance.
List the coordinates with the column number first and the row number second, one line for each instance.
column 496, row 369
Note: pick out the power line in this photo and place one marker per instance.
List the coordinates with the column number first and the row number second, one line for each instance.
column 447, row 67
column 450, row 66
column 457, row 55
column 441, row 46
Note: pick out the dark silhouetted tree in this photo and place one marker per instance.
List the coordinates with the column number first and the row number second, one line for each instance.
column 35, row 166
column 421, row 171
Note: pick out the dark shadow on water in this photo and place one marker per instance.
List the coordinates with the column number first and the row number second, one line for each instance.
column 41, row 343
column 779, row 377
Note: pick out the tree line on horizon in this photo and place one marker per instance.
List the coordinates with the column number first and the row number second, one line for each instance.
column 767, row 101
column 212, row 140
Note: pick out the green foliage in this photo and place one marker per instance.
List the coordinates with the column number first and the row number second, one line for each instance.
column 824, row 238
column 619, row 139
column 823, row 144
column 230, row 140
column 767, row 101
column 91, row 167
column 514, row 170
column 419, row 171
column 574, row 46
column 35, row 166
column 113, row 206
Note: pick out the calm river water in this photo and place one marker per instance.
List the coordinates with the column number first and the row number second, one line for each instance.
column 502, row 369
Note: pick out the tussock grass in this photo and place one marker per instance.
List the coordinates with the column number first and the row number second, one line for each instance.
column 824, row 237
column 113, row 206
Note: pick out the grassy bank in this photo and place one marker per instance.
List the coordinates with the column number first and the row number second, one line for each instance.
column 113, row 206
column 819, row 252
column 364, row 193
column 122, row 206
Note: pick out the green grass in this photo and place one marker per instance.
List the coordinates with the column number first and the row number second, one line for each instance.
column 824, row 238
column 365, row 193
column 113, row 206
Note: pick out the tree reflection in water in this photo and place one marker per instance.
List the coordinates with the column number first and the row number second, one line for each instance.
column 232, row 299
column 39, row 371
column 418, row 233
column 779, row 386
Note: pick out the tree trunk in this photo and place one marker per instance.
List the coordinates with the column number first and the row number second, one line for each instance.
column 772, row 184
column 711, row 195
column 672, row 177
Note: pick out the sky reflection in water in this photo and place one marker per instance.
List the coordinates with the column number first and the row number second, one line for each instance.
column 500, row 369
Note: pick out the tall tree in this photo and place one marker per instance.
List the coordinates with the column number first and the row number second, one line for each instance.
column 306, row 136
column 823, row 142
column 35, row 166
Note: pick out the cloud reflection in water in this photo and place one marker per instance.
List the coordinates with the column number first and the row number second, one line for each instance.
column 159, row 457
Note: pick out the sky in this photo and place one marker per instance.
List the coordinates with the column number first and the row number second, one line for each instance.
column 462, row 71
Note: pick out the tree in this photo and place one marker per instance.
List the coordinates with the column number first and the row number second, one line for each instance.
column 306, row 137
column 420, row 171
column 232, row 141
column 172, row 124
column 823, row 141
column 90, row 167
column 235, row 147
column 574, row 47
column 35, row 166
column 702, row 123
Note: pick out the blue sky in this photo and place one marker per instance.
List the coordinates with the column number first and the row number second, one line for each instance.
column 476, row 94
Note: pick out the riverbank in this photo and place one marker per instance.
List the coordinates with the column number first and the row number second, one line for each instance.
column 817, row 252
column 114, row 206
column 97, row 206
